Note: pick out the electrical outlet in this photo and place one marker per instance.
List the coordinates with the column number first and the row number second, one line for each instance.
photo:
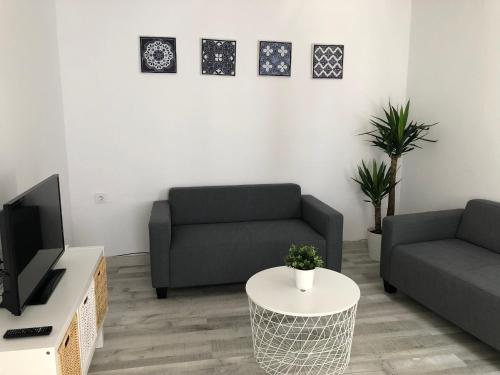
column 100, row 198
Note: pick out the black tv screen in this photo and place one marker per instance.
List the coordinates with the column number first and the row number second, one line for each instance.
column 32, row 241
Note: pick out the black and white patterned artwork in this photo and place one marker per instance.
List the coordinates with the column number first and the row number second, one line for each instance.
column 158, row 55
column 275, row 58
column 328, row 61
column 218, row 57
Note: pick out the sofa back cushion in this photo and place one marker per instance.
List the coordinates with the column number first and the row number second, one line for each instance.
column 480, row 224
column 224, row 204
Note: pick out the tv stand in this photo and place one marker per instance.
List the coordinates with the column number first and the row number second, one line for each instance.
column 45, row 290
column 76, row 311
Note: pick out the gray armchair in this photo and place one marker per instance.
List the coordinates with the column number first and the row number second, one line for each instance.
column 225, row 234
column 450, row 262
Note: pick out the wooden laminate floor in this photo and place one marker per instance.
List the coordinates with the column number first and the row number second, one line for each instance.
column 207, row 330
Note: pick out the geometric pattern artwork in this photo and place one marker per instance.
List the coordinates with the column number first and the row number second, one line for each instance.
column 328, row 61
column 158, row 55
column 218, row 57
column 286, row 344
column 275, row 58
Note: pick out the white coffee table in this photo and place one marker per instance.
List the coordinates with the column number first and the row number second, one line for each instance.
column 298, row 332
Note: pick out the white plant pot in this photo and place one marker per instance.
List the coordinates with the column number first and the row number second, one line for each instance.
column 304, row 280
column 374, row 245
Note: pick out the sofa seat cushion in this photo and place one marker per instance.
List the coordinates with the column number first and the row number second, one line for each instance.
column 453, row 257
column 480, row 224
column 456, row 279
column 203, row 254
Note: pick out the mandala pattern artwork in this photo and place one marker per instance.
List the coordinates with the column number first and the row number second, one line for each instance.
column 328, row 61
column 218, row 57
column 275, row 58
column 158, row 55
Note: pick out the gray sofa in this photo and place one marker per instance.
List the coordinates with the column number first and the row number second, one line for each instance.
column 450, row 262
column 225, row 234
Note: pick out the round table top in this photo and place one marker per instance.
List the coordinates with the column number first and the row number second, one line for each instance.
column 274, row 289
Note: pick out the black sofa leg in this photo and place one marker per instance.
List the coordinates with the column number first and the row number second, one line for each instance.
column 389, row 288
column 161, row 293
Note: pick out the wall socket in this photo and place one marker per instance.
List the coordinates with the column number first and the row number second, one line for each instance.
column 100, row 198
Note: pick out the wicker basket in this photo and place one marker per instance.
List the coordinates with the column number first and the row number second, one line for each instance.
column 101, row 292
column 69, row 351
column 87, row 329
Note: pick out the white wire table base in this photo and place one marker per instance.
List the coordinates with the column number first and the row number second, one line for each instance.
column 286, row 344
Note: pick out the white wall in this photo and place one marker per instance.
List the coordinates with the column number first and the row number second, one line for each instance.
column 32, row 141
column 454, row 78
column 199, row 130
column 134, row 135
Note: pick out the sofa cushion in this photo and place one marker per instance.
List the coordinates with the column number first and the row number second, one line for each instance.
column 452, row 256
column 203, row 254
column 456, row 279
column 480, row 224
column 224, row 204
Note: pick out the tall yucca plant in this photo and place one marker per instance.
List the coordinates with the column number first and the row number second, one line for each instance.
column 376, row 184
column 396, row 136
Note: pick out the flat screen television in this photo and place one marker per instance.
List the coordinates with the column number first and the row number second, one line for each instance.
column 31, row 228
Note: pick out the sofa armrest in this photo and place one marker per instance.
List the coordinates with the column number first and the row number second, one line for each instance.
column 160, row 232
column 411, row 228
column 329, row 223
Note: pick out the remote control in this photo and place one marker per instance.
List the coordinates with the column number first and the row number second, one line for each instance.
column 27, row 332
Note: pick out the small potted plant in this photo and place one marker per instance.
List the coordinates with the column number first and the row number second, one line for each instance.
column 303, row 259
column 376, row 184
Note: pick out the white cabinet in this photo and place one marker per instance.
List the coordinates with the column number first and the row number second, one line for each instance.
column 73, row 311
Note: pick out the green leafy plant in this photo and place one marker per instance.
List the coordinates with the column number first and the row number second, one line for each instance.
column 396, row 136
column 303, row 257
column 375, row 183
